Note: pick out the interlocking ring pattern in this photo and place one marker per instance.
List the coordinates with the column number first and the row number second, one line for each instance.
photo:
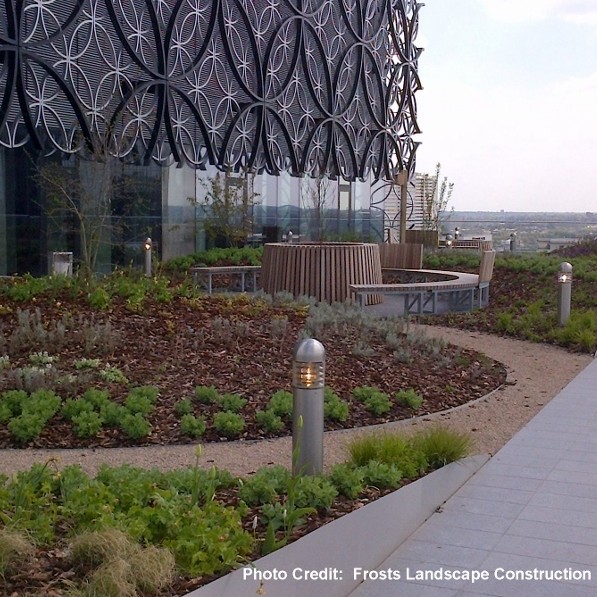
column 323, row 87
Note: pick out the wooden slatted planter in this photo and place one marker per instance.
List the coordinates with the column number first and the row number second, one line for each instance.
column 323, row 270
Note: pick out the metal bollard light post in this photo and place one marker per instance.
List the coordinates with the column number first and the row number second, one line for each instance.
column 564, row 292
column 308, row 380
column 147, row 245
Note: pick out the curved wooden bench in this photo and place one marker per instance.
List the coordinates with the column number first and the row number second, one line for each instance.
column 421, row 288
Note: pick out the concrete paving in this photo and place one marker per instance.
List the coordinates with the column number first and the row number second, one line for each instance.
column 524, row 526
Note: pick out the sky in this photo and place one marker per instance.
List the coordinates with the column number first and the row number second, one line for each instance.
column 509, row 102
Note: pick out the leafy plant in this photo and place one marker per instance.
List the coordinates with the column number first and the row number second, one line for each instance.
column 97, row 398
column 112, row 413
column 87, row 363
column 265, row 486
column 26, row 427
column 137, row 403
column 281, row 404
column 314, row 492
column 334, row 408
column 113, row 375
column 348, row 480
column 409, row 398
column 135, row 426
column 228, row 424
column 269, row 421
column 374, row 400
column 231, row 402
column 381, row 475
column 192, row 426
column 206, row 394
column 87, row 424
column 183, row 407
column 98, row 298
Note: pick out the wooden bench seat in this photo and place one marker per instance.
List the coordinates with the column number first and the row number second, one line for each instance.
column 205, row 275
column 422, row 288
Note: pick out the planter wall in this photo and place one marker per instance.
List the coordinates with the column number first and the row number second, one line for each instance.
column 323, row 270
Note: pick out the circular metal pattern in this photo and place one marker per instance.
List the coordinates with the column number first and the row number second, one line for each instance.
column 322, row 87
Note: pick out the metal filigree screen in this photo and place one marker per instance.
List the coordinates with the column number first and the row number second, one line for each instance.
column 323, row 87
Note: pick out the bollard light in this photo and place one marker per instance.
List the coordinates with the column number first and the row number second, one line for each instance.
column 308, row 381
column 449, row 241
column 564, row 292
column 147, row 245
column 289, row 237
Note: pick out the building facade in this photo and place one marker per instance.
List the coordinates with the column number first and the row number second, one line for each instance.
column 283, row 91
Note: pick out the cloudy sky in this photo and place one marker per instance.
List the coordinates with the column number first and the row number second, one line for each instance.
column 509, row 105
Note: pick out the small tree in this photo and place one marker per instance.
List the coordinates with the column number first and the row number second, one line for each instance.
column 81, row 191
column 228, row 208
column 436, row 195
column 314, row 198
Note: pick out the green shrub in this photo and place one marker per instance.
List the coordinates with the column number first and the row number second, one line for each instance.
column 374, row 400
column 210, row 541
column 26, row 426
column 382, row 475
column 112, row 413
column 149, row 392
column 269, row 421
column 87, row 424
column 348, row 480
column 96, row 398
column 442, row 446
column 113, row 375
column 228, row 424
column 265, row 486
column 135, row 426
column 14, row 400
column 73, row 408
column 192, row 426
column 141, row 400
column 281, row 404
column 183, row 407
column 206, row 394
column 334, row 408
column 138, row 404
column 231, row 402
column 409, row 398
column 98, row 298
column 314, row 492
column 5, row 412
column 87, row 363
column 44, row 403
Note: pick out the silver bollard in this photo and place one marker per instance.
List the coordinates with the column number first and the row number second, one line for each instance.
column 308, row 380
column 564, row 292
column 147, row 245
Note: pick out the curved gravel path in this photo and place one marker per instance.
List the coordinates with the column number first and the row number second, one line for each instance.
column 536, row 373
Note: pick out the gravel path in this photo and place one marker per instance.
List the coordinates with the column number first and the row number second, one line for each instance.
column 536, row 373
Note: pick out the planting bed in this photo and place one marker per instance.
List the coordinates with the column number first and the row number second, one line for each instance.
column 237, row 345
